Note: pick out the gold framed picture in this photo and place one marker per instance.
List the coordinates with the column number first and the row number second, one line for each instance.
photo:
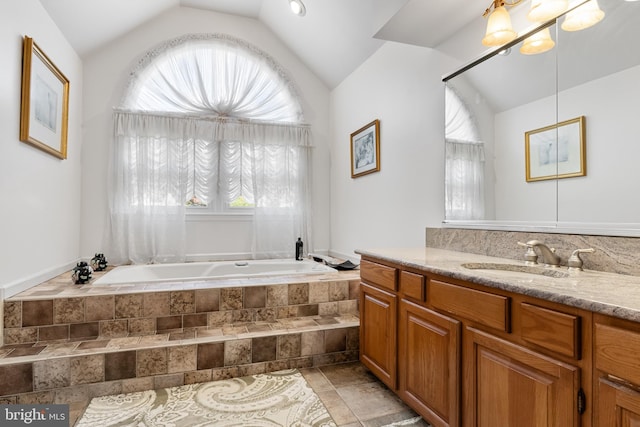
column 556, row 151
column 365, row 149
column 44, row 110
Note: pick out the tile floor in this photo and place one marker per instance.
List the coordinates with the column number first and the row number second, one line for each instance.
column 354, row 397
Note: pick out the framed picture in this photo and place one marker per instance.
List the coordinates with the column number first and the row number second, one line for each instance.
column 365, row 149
column 44, row 111
column 556, row 151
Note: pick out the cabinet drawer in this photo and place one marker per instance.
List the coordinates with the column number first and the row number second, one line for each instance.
column 551, row 329
column 616, row 352
column 482, row 307
column 378, row 274
column 412, row 285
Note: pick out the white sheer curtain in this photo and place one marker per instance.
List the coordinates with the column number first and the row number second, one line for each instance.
column 210, row 116
column 464, row 162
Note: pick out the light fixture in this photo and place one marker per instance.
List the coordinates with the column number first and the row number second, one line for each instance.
column 297, row 7
column 499, row 30
column 537, row 43
column 544, row 10
column 583, row 16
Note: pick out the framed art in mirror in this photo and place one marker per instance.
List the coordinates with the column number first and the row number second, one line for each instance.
column 556, row 151
column 44, row 111
column 365, row 149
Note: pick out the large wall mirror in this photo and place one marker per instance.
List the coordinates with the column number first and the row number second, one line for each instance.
column 550, row 141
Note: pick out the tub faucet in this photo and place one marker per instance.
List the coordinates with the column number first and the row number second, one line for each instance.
column 548, row 254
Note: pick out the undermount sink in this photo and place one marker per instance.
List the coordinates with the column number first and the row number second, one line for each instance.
column 530, row 269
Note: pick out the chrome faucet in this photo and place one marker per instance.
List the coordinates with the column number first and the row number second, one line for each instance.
column 548, row 254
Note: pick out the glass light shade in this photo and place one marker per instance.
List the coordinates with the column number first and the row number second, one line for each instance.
column 297, row 7
column 583, row 17
column 499, row 30
column 544, row 10
column 537, row 43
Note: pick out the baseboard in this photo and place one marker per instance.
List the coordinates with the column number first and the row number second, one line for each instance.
column 20, row 285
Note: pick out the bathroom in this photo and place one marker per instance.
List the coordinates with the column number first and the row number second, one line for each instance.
column 54, row 211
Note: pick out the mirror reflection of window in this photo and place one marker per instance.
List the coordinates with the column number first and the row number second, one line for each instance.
column 465, row 158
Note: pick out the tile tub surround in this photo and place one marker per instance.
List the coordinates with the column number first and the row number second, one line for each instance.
column 612, row 254
column 64, row 342
column 616, row 295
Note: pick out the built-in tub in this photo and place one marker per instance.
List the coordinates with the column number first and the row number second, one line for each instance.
column 209, row 270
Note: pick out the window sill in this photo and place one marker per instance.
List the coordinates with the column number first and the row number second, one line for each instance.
column 218, row 216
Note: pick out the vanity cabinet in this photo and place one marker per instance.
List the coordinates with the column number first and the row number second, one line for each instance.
column 510, row 385
column 617, row 369
column 468, row 355
column 429, row 363
column 378, row 321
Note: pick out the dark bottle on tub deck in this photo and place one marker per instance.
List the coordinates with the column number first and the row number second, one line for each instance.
column 299, row 245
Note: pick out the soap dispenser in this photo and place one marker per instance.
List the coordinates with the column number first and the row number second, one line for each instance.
column 299, row 244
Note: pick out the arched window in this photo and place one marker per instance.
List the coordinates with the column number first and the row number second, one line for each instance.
column 464, row 161
column 208, row 121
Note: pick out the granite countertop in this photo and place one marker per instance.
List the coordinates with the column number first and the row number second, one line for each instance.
column 616, row 295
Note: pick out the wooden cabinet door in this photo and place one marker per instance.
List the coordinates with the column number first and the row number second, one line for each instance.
column 429, row 364
column 378, row 314
column 509, row 385
column 618, row 406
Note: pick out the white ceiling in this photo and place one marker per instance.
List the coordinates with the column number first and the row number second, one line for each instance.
column 333, row 39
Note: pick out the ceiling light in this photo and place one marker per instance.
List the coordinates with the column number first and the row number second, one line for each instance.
column 544, row 10
column 297, row 7
column 538, row 43
column 499, row 30
column 583, row 17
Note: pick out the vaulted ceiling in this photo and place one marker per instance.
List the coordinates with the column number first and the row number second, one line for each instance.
column 333, row 39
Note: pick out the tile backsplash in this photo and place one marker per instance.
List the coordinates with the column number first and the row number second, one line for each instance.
column 612, row 254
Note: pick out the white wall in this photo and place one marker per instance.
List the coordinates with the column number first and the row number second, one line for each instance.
column 400, row 85
column 39, row 193
column 106, row 73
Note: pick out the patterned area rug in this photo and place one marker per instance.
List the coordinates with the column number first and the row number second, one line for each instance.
column 280, row 398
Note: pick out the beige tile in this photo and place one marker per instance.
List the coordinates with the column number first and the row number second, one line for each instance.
column 142, row 326
column 219, row 318
column 100, row 307
column 207, row 300
column 167, row 381
column 328, row 308
column 20, row 335
column 289, row 346
column 237, row 352
column 231, row 298
column 371, row 400
column 182, row 358
column 113, row 328
column 312, row 342
column 337, row 407
column 318, row 292
column 68, row 310
column 338, row 291
column 12, row 314
column 155, row 304
column 316, row 379
column 277, row 295
column 151, row 362
column 87, row 369
column 51, row 374
column 348, row 374
column 133, row 385
column 298, row 293
column 128, row 306
column 182, row 302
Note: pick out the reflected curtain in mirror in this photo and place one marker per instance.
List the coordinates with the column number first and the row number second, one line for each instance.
column 464, row 157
